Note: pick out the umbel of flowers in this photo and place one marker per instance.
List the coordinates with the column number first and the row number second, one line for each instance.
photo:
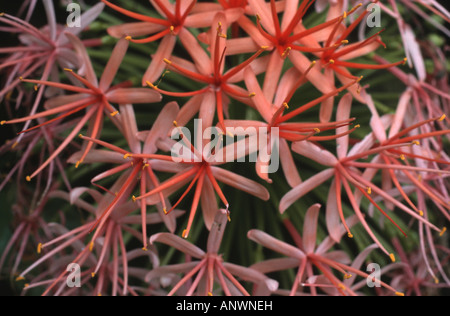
column 107, row 176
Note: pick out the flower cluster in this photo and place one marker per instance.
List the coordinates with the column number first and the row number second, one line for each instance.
column 159, row 128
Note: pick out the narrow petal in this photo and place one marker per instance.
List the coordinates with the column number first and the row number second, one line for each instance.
column 178, row 243
column 274, row 244
column 305, row 187
column 133, row 96
column 114, row 63
column 310, row 228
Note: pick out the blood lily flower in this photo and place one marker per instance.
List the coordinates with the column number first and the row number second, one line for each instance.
column 274, row 116
column 344, row 169
column 139, row 170
column 211, row 72
column 306, row 255
column 176, row 20
column 209, row 267
column 200, row 167
column 41, row 51
column 106, row 256
column 95, row 98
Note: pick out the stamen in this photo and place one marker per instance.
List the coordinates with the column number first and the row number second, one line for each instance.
column 443, row 231
column 28, row 178
column 39, row 248
column 392, row 256
column 442, row 118
column 399, row 294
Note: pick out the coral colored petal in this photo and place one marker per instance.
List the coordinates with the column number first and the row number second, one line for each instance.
column 135, row 29
column 114, row 63
column 241, row 183
column 157, row 65
column 310, row 228
column 133, row 96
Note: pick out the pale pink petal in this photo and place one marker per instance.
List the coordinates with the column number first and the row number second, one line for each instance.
column 94, row 155
column 274, row 69
column 288, row 164
column 241, row 183
column 327, row 106
column 161, row 127
column 320, row 81
column 314, row 152
column 343, row 113
column 130, row 127
column 206, row 19
column 137, row 29
column 274, row 244
column 333, row 219
column 157, row 66
column 251, row 275
column 113, row 65
column 400, row 113
column 310, row 228
column 133, row 96
column 64, row 100
column 86, row 66
column 263, row 106
column 178, row 243
column 262, row 8
column 76, row 193
column 217, row 230
column 209, row 203
column 197, row 53
column 86, row 19
column 241, row 45
column 305, row 187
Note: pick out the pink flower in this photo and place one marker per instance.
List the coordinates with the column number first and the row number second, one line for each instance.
column 306, row 255
column 96, row 97
column 209, row 267
column 174, row 24
column 139, row 170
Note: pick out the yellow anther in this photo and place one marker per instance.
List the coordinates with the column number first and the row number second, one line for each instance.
column 436, row 280
column 210, row 294
column 342, row 287
column 21, row 78
column 421, row 213
column 79, row 162
column 36, row 88
column 264, row 47
column 392, row 256
column 99, row 295
column 14, row 145
column 172, row 29
column 133, row 198
column 399, row 294
column 165, row 211
column 350, row 235
column 347, row 276
column 20, row 278
column 405, row 60
column 286, row 105
column 357, row 126
column 258, row 17
column 167, row 61
column 128, row 38
column 185, row 234
column 360, row 78
column 39, row 248
column 442, row 117
column 91, row 246
column 416, row 143
column 443, row 231
column 344, row 42
column 80, row 135
column 317, row 130
column 28, row 178
column 145, row 249
column 251, row 95
column 286, row 52
column 175, row 123
column 26, row 285
column 369, row 190
column 145, row 166
column 114, row 113
column 332, row 61
column 68, row 69
column 126, row 156
column 2, row 122
column 2, row 14
column 345, row 15
column 402, row 157
column 93, row 274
